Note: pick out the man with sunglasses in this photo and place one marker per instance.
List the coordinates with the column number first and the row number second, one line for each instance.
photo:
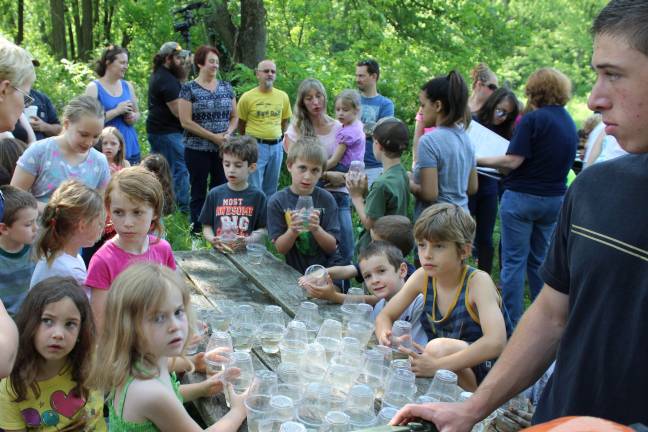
column 264, row 113
column 374, row 107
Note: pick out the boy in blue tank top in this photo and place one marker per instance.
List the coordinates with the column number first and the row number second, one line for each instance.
column 463, row 315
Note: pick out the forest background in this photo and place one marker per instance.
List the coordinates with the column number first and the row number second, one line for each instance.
column 413, row 40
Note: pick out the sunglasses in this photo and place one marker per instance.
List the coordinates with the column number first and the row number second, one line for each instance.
column 26, row 98
column 501, row 113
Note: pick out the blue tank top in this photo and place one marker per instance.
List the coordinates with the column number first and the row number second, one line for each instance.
column 461, row 321
column 110, row 102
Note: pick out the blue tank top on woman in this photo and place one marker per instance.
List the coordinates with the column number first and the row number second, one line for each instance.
column 128, row 131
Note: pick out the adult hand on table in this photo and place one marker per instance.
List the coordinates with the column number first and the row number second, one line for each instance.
column 447, row 417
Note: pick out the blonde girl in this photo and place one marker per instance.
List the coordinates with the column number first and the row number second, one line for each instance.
column 73, row 218
column 111, row 144
column 148, row 307
column 49, row 162
column 350, row 138
column 48, row 390
column 134, row 200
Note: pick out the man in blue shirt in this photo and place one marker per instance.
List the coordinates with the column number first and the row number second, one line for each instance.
column 374, row 107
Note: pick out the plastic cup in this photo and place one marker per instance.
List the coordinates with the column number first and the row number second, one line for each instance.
column 308, row 313
column 288, row 373
column 335, row 421
column 283, row 408
column 292, row 426
column 317, row 275
column 330, row 336
column 311, row 412
column 293, row 343
column 400, row 389
column 385, row 416
column 313, row 365
column 360, row 407
column 31, row 111
column 265, row 383
column 243, row 362
column 218, row 352
column 292, row 391
column 401, row 336
column 361, row 330
column 444, row 386
column 256, row 251
column 200, row 332
column 259, row 413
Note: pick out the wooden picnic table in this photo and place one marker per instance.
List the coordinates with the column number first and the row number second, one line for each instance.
column 216, row 276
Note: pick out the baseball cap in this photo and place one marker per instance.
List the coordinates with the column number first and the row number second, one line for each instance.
column 170, row 48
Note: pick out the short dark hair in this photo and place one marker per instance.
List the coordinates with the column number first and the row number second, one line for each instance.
column 452, row 91
column 397, row 230
column 243, row 147
column 15, row 199
column 393, row 136
column 10, row 151
column 201, row 54
column 108, row 56
column 372, row 67
column 380, row 247
column 626, row 19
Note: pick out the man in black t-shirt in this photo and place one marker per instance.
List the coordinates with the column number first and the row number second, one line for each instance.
column 162, row 125
column 590, row 314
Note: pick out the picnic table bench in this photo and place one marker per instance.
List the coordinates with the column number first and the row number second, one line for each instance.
column 216, row 276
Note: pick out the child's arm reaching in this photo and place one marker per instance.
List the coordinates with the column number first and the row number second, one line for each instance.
column 285, row 241
column 397, row 305
column 342, row 272
column 336, row 157
column 8, row 342
column 357, row 189
column 483, row 295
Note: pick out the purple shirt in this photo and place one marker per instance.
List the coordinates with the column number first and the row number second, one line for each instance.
column 353, row 137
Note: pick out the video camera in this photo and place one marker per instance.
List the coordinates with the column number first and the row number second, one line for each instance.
column 188, row 19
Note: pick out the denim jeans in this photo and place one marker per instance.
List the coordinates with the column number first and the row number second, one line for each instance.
column 266, row 176
column 202, row 164
column 170, row 146
column 346, row 245
column 527, row 225
column 483, row 208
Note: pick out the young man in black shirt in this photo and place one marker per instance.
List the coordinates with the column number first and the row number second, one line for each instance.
column 590, row 314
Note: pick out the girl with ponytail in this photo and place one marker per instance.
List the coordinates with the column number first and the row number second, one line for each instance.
column 73, row 218
column 445, row 169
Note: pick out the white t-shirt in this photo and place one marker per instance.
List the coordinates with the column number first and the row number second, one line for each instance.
column 63, row 265
column 412, row 315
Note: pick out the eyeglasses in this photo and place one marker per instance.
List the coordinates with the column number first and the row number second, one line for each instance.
column 501, row 113
column 267, row 71
column 26, row 98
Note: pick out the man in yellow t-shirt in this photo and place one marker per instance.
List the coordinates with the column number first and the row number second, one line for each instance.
column 263, row 113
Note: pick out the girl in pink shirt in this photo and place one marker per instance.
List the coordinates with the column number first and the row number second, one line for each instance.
column 134, row 201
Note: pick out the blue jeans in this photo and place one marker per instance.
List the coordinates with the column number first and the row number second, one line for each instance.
column 266, row 176
column 527, row 225
column 346, row 245
column 170, row 146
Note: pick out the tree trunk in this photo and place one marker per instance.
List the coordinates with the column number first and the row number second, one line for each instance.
column 220, row 21
column 20, row 34
column 252, row 35
column 57, row 12
column 70, row 36
column 109, row 10
column 85, row 40
column 77, row 26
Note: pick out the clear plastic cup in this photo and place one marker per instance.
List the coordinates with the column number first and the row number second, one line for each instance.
column 335, row 421
column 317, row 275
column 259, row 413
column 292, row 391
column 200, row 333
column 292, row 426
column 444, row 386
column 375, row 372
column 288, row 373
column 341, row 376
column 256, row 252
column 293, row 342
column 264, row 383
column 313, row 365
column 386, row 352
column 271, row 329
column 218, row 352
column 361, row 330
column 243, row 362
column 283, row 408
column 385, row 416
column 308, row 313
column 330, row 336
column 244, row 327
column 400, row 389
column 311, row 411
column 401, row 336
column 360, row 407
column 221, row 315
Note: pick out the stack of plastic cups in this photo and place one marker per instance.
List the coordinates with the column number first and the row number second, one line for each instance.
column 271, row 329
column 293, row 343
column 354, row 297
column 360, row 407
column 401, row 335
column 308, row 313
column 330, row 336
column 316, row 402
column 399, row 389
column 360, row 327
column 385, row 416
column 283, row 410
column 443, row 388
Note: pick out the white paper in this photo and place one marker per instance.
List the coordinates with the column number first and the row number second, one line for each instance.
column 486, row 142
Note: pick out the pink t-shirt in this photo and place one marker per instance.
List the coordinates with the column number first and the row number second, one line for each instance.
column 110, row 260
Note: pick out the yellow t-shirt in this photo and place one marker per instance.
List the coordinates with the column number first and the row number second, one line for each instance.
column 263, row 112
column 54, row 410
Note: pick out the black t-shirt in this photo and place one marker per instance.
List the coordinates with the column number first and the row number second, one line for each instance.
column 599, row 257
column 547, row 139
column 247, row 208
column 163, row 88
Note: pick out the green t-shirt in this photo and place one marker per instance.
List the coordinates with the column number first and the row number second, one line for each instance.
column 388, row 195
